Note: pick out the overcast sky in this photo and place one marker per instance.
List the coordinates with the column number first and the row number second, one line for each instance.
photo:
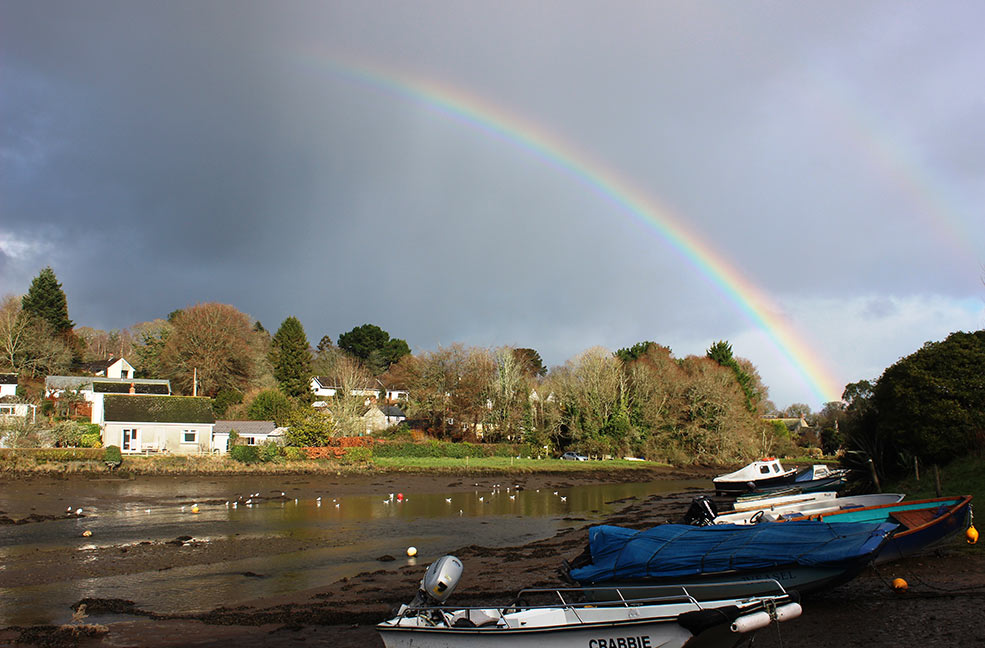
column 263, row 154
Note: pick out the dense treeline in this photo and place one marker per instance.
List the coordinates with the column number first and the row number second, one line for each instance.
column 638, row 401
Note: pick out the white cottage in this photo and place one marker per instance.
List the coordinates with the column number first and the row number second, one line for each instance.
column 144, row 423
column 8, row 384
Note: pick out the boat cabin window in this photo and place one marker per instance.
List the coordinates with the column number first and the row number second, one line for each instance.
column 776, row 467
column 765, row 470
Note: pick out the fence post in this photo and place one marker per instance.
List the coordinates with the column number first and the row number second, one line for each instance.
column 875, row 477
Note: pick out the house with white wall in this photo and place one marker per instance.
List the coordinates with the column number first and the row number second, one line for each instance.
column 147, row 423
column 91, row 391
column 249, row 433
column 8, row 384
column 325, row 387
column 110, row 368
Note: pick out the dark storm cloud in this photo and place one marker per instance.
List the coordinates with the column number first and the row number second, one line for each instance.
column 161, row 154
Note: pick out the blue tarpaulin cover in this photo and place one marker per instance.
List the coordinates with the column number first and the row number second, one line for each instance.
column 669, row 550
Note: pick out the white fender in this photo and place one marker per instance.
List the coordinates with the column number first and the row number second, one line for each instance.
column 751, row 622
column 788, row 611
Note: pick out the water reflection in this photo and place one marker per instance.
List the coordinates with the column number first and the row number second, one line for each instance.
column 354, row 530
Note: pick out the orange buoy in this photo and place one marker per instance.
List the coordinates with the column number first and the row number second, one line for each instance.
column 971, row 534
column 899, row 585
column 400, row 497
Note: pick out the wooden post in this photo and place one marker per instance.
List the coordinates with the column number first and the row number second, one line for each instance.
column 937, row 480
column 875, row 477
column 916, row 467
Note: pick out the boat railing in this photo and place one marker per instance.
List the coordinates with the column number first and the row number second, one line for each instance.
column 573, row 599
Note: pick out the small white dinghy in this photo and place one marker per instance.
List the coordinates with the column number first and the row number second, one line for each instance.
column 672, row 616
column 794, row 509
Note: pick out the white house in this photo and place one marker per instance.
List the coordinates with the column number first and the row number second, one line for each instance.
column 146, row 423
column 250, row 432
column 325, row 387
column 8, row 385
column 93, row 389
column 111, row 368
column 10, row 408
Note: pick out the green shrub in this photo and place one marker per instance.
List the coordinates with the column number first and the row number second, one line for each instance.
column 268, row 451
column 91, row 440
column 113, row 457
column 292, row 453
column 244, row 454
column 356, row 455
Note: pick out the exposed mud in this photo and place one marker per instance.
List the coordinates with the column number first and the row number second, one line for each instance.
column 944, row 605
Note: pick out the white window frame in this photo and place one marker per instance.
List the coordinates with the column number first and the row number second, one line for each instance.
column 184, row 437
column 134, row 443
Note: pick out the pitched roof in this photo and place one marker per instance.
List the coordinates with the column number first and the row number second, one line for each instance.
column 392, row 410
column 8, row 379
column 97, row 365
column 244, row 427
column 157, row 409
column 109, row 385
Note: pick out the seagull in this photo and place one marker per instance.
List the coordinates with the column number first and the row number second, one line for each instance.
column 564, row 499
column 68, row 510
column 459, row 512
column 318, row 499
column 227, row 503
column 391, row 496
column 512, row 497
column 282, row 493
column 448, row 499
column 386, row 501
column 78, row 511
column 235, row 504
column 250, row 501
column 337, row 505
column 481, row 498
column 147, row 511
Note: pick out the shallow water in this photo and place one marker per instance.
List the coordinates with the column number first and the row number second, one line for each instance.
column 351, row 531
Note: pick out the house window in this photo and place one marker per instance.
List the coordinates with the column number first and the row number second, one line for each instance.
column 189, row 436
column 130, row 442
column 6, row 411
column 251, row 441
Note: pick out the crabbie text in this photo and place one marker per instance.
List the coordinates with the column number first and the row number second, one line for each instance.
column 642, row 641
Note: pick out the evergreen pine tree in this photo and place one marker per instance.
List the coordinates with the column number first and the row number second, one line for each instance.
column 291, row 359
column 46, row 300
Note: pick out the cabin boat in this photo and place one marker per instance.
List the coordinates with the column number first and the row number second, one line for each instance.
column 676, row 616
column 759, row 474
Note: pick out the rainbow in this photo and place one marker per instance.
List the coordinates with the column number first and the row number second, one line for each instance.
column 495, row 122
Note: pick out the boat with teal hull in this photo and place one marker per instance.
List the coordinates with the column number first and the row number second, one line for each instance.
column 921, row 523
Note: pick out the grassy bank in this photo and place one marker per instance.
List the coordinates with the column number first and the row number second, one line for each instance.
column 33, row 463
column 962, row 476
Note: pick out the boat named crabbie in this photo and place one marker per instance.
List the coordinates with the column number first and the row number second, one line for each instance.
column 674, row 616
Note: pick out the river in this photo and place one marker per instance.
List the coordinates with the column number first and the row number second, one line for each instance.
column 332, row 530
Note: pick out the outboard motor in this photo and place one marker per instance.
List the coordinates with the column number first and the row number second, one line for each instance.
column 701, row 513
column 439, row 582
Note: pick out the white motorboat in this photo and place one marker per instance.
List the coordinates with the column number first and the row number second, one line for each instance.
column 671, row 616
column 782, row 500
column 796, row 509
column 758, row 474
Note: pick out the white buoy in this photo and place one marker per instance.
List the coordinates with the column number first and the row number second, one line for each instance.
column 78, row 511
column 411, row 551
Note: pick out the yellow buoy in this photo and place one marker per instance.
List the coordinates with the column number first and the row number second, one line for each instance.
column 411, row 551
column 972, row 534
column 899, row 584
column 86, row 533
column 194, row 509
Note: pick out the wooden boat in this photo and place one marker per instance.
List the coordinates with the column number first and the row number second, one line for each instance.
column 758, row 474
column 791, row 510
column 805, row 555
column 920, row 523
column 757, row 503
column 675, row 616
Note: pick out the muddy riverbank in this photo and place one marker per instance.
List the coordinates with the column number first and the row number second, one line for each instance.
column 945, row 604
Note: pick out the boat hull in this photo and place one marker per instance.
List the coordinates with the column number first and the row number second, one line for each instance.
column 724, row 487
column 912, row 537
column 641, row 634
